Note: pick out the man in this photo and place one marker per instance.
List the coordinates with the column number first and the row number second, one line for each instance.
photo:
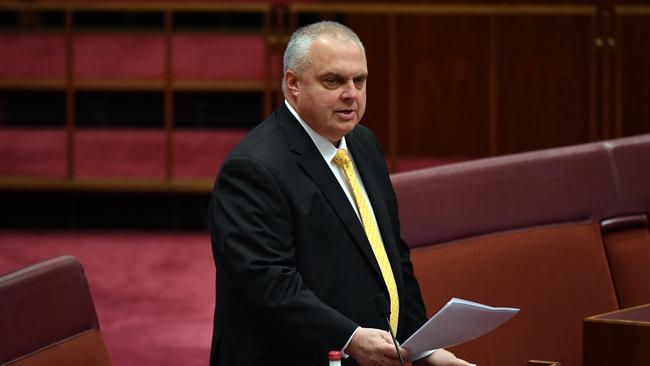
column 295, row 225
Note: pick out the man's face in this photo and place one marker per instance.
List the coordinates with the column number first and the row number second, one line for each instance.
column 330, row 95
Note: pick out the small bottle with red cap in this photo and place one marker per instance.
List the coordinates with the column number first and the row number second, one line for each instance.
column 335, row 358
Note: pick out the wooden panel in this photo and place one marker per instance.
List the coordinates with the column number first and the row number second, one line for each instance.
column 119, row 56
column 618, row 338
column 443, row 85
column 373, row 31
column 134, row 153
column 32, row 56
column 219, row 57
column 37, row 152
column 634, row 66
column 478, row 2
column 544, row 66
column 88, row 348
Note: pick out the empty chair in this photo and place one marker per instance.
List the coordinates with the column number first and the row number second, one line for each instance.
column 47, row 317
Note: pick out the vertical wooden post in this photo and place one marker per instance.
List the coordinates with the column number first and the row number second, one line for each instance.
column 293, row 21
column 280, row 44
column 618, row 74
column 493, row 91
column 268, row 42
column 69, row 95
column 606, row 77
column 393, row 85
column 28, row 19
column 169, row 99
column 593, row 82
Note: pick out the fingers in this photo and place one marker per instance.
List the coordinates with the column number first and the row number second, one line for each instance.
column 442, row 357
column 459, row 362
column 372, row 347
column 392, row 353
column 406, row 353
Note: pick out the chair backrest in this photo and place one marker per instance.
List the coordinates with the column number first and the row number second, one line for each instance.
column 47, row 317
column 560, row 233
column 627, row 235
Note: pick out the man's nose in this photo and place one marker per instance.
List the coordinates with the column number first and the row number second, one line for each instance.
column 350, row 90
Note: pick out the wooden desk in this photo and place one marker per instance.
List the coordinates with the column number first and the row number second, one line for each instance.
column 618, row 338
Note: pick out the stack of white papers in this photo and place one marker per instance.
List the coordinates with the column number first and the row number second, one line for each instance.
column 457, row 322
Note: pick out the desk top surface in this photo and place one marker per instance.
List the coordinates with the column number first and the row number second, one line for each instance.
column 637, row 314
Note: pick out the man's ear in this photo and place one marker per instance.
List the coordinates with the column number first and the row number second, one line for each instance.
column 291, row 81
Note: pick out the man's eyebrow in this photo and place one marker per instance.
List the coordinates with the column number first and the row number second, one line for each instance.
column 338, row 75
column 331, row 73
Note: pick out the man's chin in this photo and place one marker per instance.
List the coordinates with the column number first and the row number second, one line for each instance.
column 344, row 123
column 347, row 127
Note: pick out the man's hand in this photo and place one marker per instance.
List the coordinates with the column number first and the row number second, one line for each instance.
column 442, row 357
column 374, row 347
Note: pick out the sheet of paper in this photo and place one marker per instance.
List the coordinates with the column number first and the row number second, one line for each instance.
column 457, row 322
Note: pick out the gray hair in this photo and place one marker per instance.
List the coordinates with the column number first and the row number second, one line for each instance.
column 295, row 56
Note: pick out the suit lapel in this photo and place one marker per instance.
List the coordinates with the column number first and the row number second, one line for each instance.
column 312, row 162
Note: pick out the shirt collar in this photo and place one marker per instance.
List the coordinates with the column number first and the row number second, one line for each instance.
column 324, row 146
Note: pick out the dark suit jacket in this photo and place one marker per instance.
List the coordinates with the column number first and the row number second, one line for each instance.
column 295, row 272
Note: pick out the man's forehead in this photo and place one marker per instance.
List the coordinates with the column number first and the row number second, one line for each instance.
column 338, row 57
column 331, row 38
column 328, row 42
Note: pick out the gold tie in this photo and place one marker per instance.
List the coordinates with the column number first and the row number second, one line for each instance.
column 372, row 231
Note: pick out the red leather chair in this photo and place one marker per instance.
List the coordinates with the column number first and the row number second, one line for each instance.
column 560, row 233
column 47, row 317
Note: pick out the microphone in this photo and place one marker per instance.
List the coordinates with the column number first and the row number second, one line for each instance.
column 383, row 309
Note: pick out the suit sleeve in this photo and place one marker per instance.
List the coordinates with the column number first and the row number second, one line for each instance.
column 253, row 247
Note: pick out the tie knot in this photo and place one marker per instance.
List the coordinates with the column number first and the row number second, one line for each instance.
column 341, row 158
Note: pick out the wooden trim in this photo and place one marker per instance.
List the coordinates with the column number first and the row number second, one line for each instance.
column 393, row 103
column 293, row 20
column 606, row 74
column 177, row 6
column 113, row 31
column 632, row 10
column 69, row 97
column 267, row 90
column 160, row 85
column 619, row 56
column 144, row 6
column 203, row 32
column 567, row 10
column 218, row 85
column 443, row 9
column 598, row 317
column 593, row 81
column 278, row 43
column 33, row 84
column 118, row 84
column 169, row 99
column 178, row 185
column 617, row 338
column 611, row 47
column 618, row 321
column 493, row 92
column 85, row 348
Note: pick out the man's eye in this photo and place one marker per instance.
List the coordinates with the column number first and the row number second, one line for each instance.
column 331, row 82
